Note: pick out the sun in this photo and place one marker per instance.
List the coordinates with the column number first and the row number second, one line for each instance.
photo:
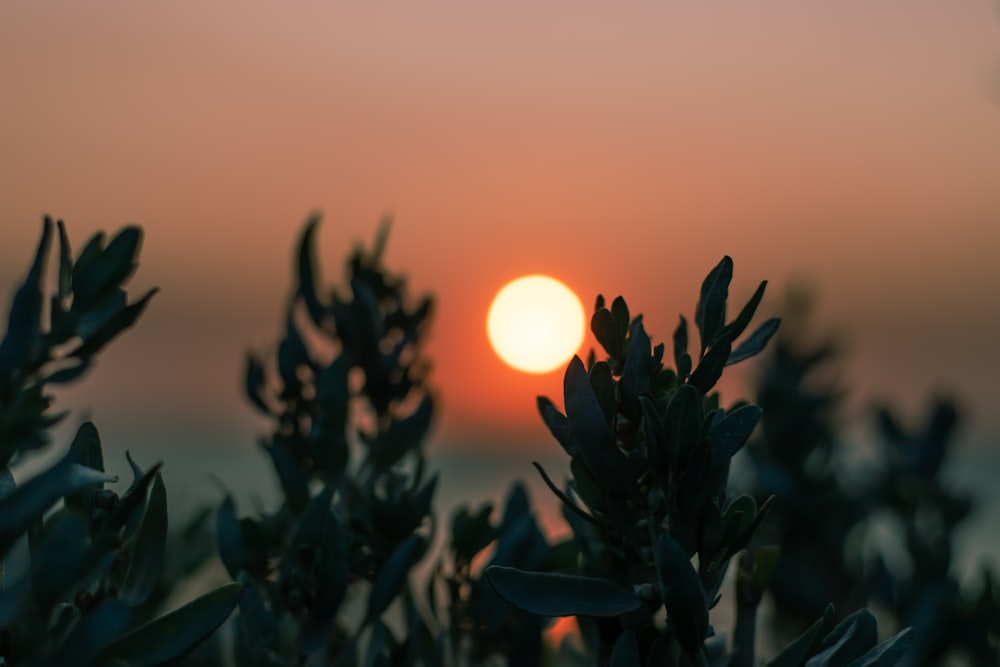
column 535, row 324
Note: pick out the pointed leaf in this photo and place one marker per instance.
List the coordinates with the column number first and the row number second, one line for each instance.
column 729, row 435
column 635, row 375
column 602, row 323
column 563, row 497
column 710, row 367
column 739, row 325
column 86, row 451
column 94, row 277
column 794, row 654
column 552, row 594
column 888, row 653
column 710, row 314
column 594, row 438
column 147, row 551
column 604, row 388
column 755, row 343
column 229, row 538
column 308, row 272
column 683, row 595
column 853, row 636
column 121, row 321
column 170, row 637
column 392, row 575
column 682, row 360
column 557, row 424
column 24, row 322
column 682, row 422
column 31, row 500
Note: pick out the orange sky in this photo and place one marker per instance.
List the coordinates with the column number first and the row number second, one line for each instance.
column 620, row 149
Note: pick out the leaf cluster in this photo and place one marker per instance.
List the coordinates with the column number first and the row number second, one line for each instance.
column 92, row 558
column 650, row 449
column 797, row 457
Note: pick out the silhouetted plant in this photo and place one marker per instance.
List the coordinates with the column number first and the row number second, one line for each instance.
column 798, row 458
column 94, row 557
column 650, row 450
column 351, row 410
column 326, row 577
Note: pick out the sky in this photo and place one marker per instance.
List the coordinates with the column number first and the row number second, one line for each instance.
column 623, row 148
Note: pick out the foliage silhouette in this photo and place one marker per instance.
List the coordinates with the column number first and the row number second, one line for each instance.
column 329, row 576
column 650, row 450
column 94, row 557
column 798, row 458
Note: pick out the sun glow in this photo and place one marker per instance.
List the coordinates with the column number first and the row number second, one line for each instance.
column 535, row 324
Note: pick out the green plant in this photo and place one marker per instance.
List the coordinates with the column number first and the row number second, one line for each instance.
column 799, row 459
column 351, row 409
column 650, row 450
column 94, row 556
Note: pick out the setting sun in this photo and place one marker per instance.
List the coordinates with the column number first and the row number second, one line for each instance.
column 535, row 324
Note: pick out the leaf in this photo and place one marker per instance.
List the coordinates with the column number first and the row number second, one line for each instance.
column 619, row 310
column 605, row 329
column 402, row 436
column 471, row 532
column 795, row 653
column 24, row 321
column 69, row 373
column 147, row 550
column 635, row 375
column 710, row 367
column 86, row 451
column 682, row 422
column 65, row 278
column 682, row 593
column 657, row 450
column 682, row 360
column 729, row 435
column 31, row 500
column 737, row 326
column 563, row 497
column 604, row 388
column 123, row 320
column 91, row 633
column 625, row 652
column 259, row 627
column 292, row 354
column 255, row 383
column 294, row 481
column 595, row 441
column 557, row 424
column 170, row 637
column 229, row 538
column 128, row 512
column 307, row 271
column 710, row 314
column 755, row 343
column 95, row 276
column 851, row 637
column 888, row 653
column 392, row 575
column 553, row 594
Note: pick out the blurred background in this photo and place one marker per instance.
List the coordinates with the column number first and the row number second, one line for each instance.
column 852, row 147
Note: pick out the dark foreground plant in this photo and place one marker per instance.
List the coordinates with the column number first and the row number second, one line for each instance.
column 91, row 558
column 327, row 577
column 650, row 450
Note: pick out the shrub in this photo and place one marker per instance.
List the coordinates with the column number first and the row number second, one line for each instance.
column 94, row 556
column 327, row 577
column 798, row 458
